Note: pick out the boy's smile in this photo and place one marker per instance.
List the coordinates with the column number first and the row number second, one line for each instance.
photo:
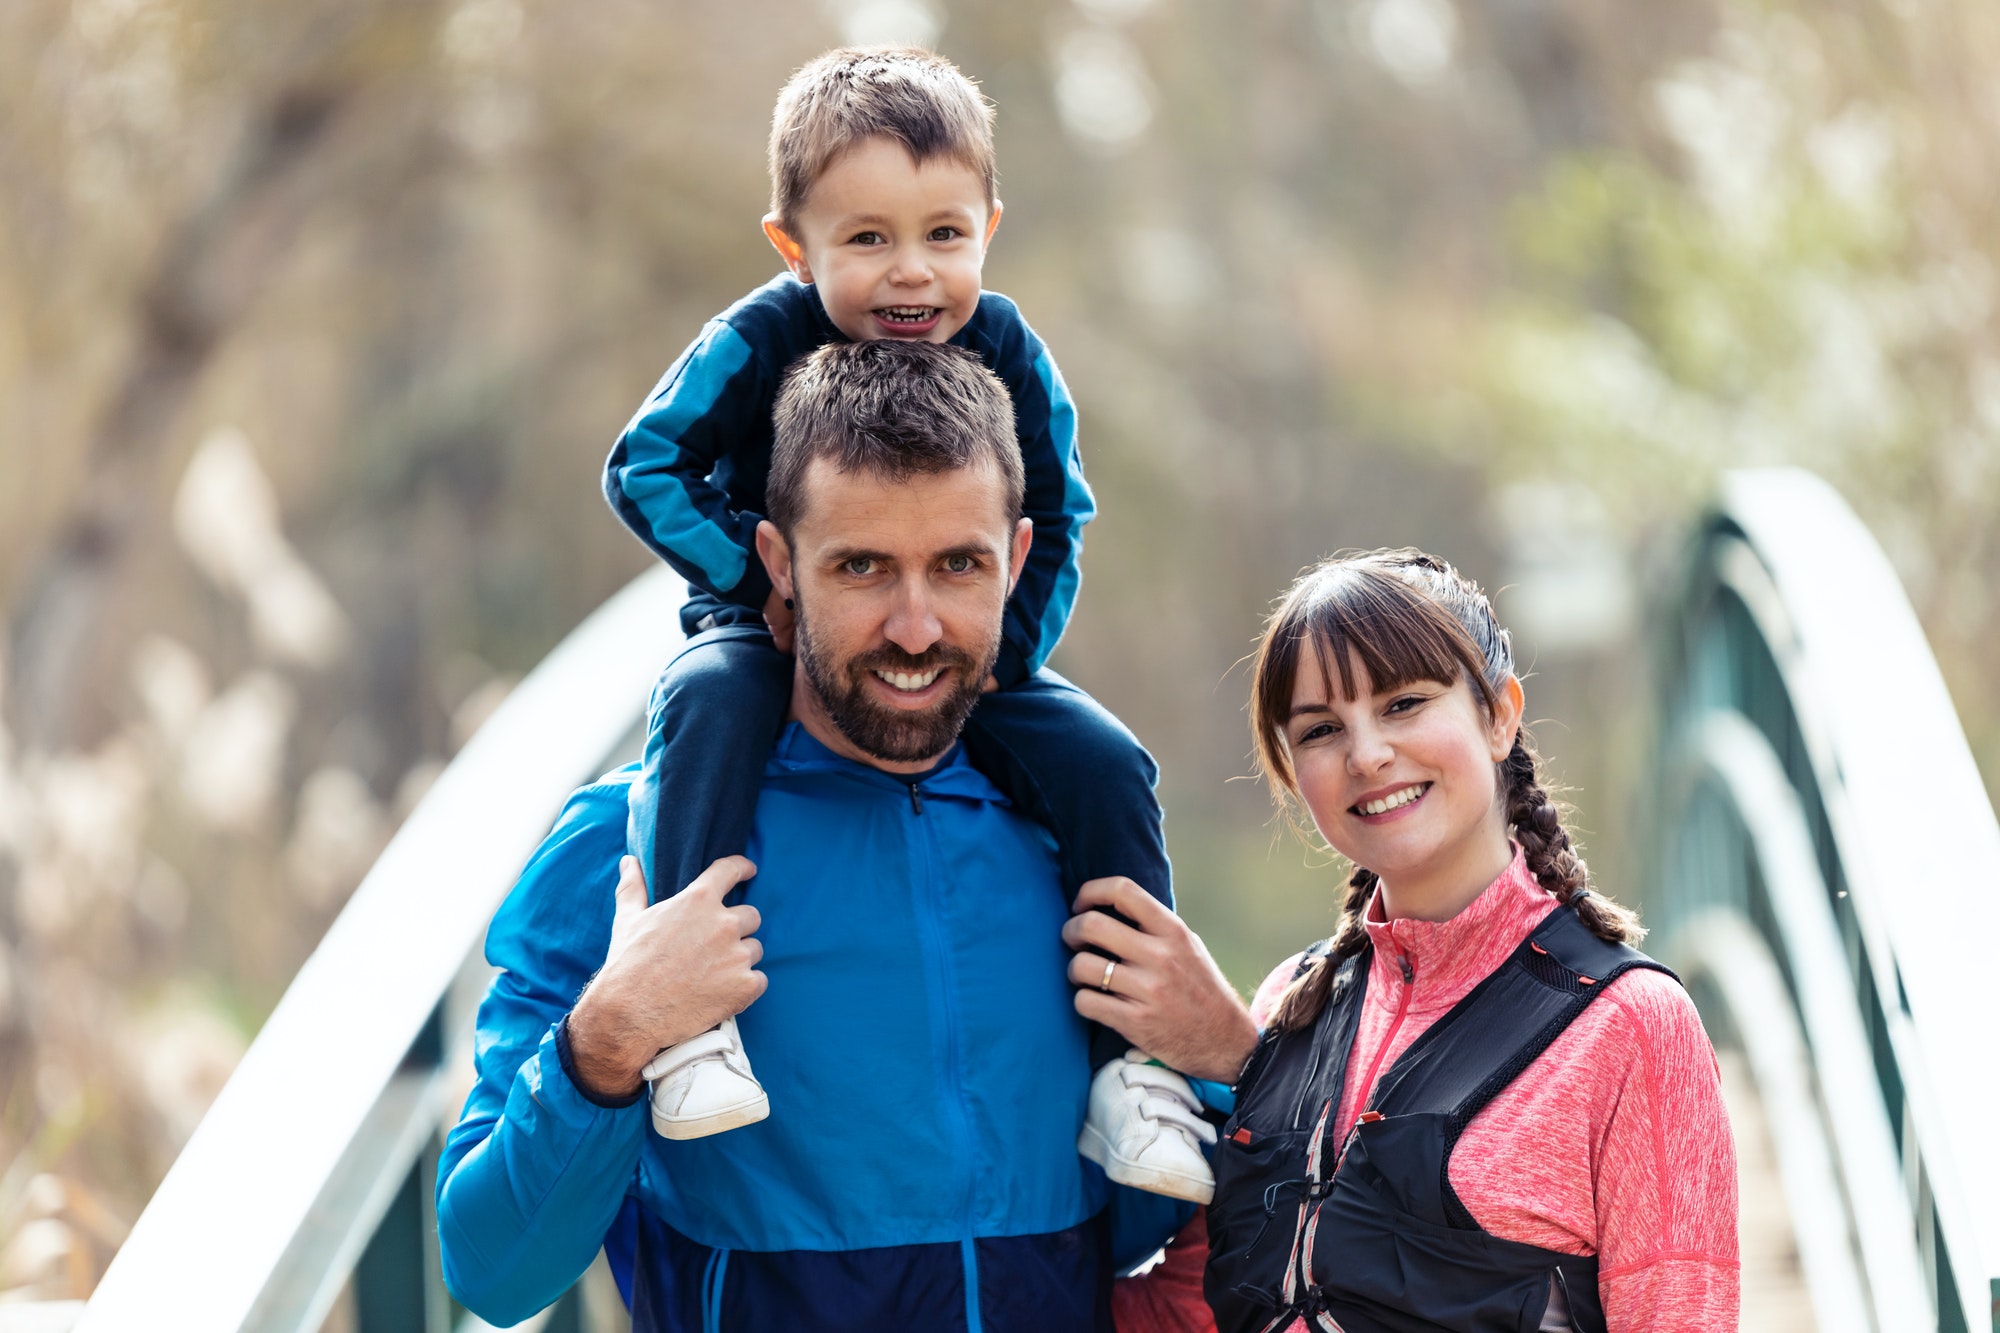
column 894, row 247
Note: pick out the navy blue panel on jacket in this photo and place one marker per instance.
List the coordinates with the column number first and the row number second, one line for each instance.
column 688, row 474
column 926, row 1069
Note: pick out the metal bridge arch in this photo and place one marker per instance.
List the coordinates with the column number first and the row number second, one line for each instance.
column 1829, row 883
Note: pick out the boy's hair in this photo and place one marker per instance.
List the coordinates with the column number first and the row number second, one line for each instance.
column 1406, row 616
column 915, row 97
column 893, row 409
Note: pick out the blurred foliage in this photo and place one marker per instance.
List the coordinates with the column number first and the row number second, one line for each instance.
column 318, row 319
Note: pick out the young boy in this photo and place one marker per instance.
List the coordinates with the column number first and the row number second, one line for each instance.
column 883, row 202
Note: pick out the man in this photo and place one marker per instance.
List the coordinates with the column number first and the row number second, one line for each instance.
column 925, row 1064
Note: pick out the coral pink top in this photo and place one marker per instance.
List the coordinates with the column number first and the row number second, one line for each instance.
column 1614, row 1142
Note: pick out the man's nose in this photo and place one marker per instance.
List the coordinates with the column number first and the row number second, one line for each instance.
column 913, row 624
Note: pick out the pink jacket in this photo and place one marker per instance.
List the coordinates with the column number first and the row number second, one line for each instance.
column 1614, row 1143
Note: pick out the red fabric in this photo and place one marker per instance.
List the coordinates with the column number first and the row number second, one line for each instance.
column 1614, row 1143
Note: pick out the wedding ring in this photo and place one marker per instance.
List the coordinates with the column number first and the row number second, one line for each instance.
column 1110, row 966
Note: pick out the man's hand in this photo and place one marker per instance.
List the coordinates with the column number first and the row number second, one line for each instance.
column 779, row 617
column 674, row 970
column 1167, row 996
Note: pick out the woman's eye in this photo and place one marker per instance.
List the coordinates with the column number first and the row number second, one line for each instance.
column 1406, row 703
column 1319, row 731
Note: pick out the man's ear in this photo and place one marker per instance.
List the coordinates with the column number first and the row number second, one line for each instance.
column 789, row 249
column 992, row 224
column 776, row 553
column 1024, row 537
column 1508, row 704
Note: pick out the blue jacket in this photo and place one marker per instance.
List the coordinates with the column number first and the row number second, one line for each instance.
column 688, row 474
column 926, row 1068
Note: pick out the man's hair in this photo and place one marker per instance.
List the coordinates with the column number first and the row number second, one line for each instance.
column 893, row 409
column 915, row 97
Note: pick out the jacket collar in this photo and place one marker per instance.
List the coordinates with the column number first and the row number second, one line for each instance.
column 798, row 752
column 1449, row 958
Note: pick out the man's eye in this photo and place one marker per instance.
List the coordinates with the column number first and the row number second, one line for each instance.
column 960, row 564
column 860, row 566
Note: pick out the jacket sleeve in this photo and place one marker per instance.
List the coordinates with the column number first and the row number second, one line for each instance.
column 1665, row 1186
column 534, row 1173
column 1056, row 499
column 657, row 479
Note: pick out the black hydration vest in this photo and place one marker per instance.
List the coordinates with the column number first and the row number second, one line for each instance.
column 1382, row 1244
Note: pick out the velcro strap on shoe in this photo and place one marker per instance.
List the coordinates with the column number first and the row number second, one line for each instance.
column 714, row 1042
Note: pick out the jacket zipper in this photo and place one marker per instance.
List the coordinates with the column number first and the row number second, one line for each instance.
column 954, row 1078
column 1388, row 1040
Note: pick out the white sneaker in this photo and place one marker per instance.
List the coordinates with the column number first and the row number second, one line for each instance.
column 1145, row 1129
column 704, row 1086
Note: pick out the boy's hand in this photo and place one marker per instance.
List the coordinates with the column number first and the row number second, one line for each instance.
column 779, row 617
column 674, row 970
column 992, row 684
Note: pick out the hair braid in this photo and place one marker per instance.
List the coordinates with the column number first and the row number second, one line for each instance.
column 1305, row 998
column 1551, row 857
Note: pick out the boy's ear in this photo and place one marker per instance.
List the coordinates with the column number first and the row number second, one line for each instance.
column 776, row 553
column 789, row 249
column 992, row 223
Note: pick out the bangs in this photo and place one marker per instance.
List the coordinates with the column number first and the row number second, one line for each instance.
column 1398, row 635
column 1356, row 612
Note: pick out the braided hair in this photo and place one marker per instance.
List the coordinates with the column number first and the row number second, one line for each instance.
column 1406, row 616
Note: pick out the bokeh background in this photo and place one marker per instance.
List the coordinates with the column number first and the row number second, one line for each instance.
column 317, row 319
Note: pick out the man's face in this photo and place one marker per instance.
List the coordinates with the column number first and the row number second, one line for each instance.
column 899, row 587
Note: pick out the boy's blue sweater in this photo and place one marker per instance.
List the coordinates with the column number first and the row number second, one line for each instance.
column 926, row 1068
column 688, row 474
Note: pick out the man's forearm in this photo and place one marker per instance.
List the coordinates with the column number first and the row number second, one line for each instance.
column 524, row 1209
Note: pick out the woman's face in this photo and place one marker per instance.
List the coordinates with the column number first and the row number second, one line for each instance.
column 1402, row 781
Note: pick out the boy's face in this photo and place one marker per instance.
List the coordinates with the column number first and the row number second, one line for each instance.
column 894, row 248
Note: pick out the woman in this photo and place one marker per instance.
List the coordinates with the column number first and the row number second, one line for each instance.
column 1476, row 1107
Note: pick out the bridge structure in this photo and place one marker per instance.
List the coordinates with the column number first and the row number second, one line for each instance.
column 1828, row 886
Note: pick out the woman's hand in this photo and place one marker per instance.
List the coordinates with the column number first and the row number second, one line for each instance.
column 1167, row 996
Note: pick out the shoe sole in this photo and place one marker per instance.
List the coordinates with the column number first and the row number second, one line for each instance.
column 717, row 1122
column 1125, row 1171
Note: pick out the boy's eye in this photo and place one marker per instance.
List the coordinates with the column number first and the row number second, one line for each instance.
column 944, row 233
column 866, row 238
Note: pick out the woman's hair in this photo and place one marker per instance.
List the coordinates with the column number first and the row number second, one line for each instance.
column 1406, row 616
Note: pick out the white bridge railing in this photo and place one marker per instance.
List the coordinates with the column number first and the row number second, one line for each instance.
column 1830, row 888
column 316, row 1163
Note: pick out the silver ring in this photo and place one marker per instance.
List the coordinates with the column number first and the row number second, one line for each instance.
column 1110, row 966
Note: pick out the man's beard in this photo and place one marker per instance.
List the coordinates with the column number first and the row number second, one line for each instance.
column 892, row 734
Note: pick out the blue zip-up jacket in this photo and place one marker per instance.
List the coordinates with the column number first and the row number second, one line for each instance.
column 927, row 1073
column 688, row 474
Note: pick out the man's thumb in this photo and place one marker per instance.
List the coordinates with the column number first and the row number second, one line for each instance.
column 631, row 887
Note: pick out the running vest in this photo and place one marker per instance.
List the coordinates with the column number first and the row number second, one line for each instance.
column 1377, row 1241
